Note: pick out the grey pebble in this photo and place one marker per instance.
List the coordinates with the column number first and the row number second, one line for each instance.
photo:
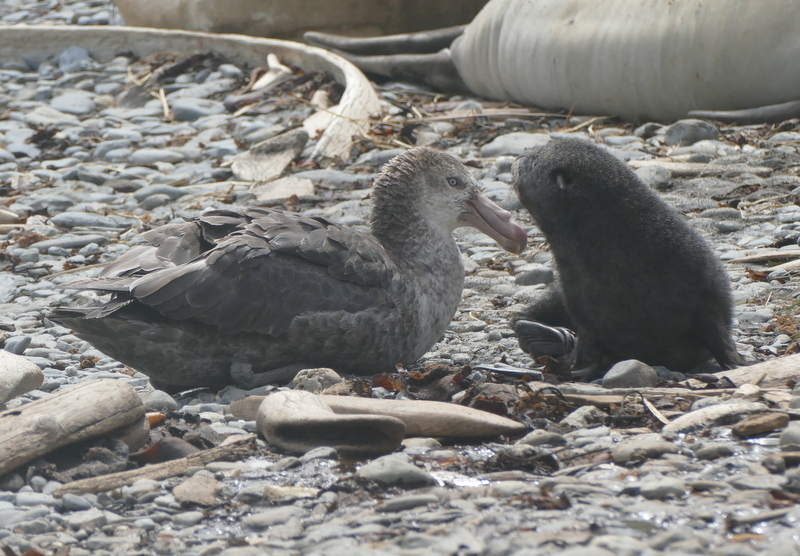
column 274, row 516
column 72, row 219
column 688, row 132
column 70, row 241
column 187, row 519
column 149, row 156
column 663, row 489
column 158, row 400
column 171, row 192
column 630, row 374
column 190, row 109
column 515, row 144
column 407, row 502
column 74, row 102
column 322, row 452
column 74, row 503
column 584, row 417
column 395, row 469
column 713, row 450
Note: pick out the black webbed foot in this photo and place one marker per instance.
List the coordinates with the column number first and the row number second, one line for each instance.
column 539, row 339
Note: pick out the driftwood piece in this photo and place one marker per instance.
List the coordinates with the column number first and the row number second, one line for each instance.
column 236, row 449
column 777, row 372
column 791, row 266
column 688, row 169
column 77, row 413
column 298, row 421
column 720, row 414
column 769, row 255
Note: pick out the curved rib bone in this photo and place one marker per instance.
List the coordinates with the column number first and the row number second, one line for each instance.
column 298, row 421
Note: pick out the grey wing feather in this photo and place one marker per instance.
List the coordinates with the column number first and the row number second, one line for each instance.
column 269, row 268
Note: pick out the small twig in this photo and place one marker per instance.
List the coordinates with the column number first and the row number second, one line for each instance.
column 585, row 124
column 654, row 410
column 136, row 81
column 759, row 378
column 332, row 113
column 162, row 97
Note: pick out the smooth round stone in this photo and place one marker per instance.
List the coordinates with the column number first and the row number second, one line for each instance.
column 159, row 189
column 74, row 503
column 75, row 59
column 635, row 449
column 151, row 156
column 656, row 177
column 6, row 156
column 408, row 502
column 110, row 88
column 713, row 450
column 77, row 103
column 158, row 400
column 70, row 241
column 790, row 437
column 757, row 482
column 33, row 499
column 663, row 489
column 102, row 149
column 71, row 219
column 124, row 134
column 630, row 374
column 44, row 116
column 22, row 150
column 584, row 417
column 315, row 380
column 688, row 132
column 534, row 273
column 274, row 516
column 187, row 519
column 515, row 144
column 155, row 201
column 542, row 438
column 229, row 70
column 323, row 452
column 191, row 109
column 395, row 469
column 145, row 523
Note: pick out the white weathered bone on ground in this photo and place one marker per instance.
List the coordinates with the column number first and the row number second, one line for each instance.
column 358, row 101
column 83, row 411
column 298, row 421
column 17, row 376
column 276, row 72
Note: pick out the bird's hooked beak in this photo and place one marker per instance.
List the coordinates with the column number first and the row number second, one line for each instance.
column 495, row 222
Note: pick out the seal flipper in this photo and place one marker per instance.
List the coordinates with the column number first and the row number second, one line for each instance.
column 538, row 339
column 422, row 42
column 428, row 66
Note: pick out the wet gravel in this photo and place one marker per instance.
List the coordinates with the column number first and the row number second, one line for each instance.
column 82, row 176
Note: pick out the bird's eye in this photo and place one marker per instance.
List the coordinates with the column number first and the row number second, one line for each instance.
column 453, row 182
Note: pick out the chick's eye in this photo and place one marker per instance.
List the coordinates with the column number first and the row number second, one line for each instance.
column 453, row 182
